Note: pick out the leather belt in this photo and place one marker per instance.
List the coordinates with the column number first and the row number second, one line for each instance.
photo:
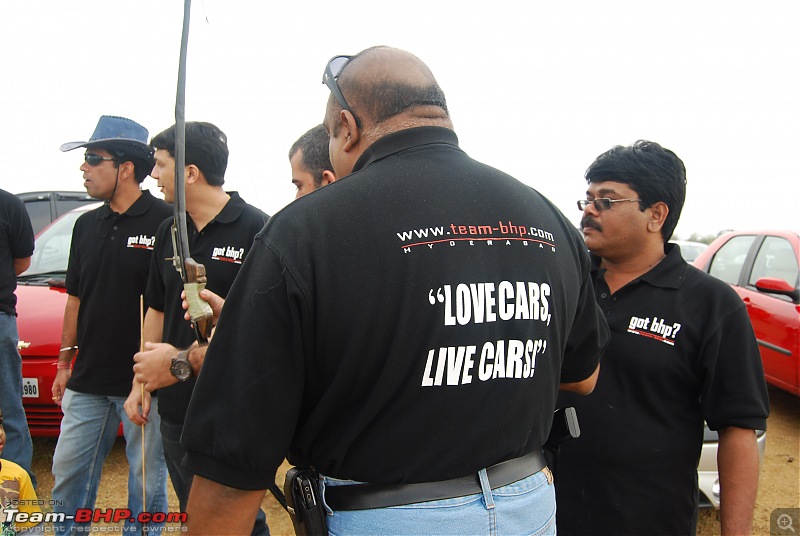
column 368, row 496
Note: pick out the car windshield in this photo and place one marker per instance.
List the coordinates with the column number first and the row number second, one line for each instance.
column 51, row 253
column 691, row 251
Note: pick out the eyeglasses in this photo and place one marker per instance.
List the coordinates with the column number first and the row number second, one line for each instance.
column 95, row 159
column 332, row 72
column 600, row 203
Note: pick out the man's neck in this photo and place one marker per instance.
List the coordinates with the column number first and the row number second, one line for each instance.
column 205, row 203
column 124, row 198
column 620, row 272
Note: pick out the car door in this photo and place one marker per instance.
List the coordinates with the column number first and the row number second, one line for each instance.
column 775, row 318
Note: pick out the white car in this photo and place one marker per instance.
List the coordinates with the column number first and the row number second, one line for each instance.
column 689, row 250
column 707, row 472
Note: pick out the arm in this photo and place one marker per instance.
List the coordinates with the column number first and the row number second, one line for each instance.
column 583, row 387
column 208, row 503
column 69, row 340
column 20, row 265
column 737, row 459
column 152, row 330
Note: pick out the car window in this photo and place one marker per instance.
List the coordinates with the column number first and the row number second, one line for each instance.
column 728, row 261
column 39, row 213
column 51, row 253
column 775, row 258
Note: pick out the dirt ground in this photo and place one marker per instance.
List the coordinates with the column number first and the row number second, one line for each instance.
column 779, row 483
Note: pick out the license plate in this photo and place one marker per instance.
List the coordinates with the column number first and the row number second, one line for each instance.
column 30, row 387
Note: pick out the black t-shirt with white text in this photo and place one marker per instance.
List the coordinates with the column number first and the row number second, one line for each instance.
column 109, row 260
column 682, row 350
column 220, row 247
column 409, row 322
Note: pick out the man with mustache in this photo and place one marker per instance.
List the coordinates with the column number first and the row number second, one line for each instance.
column 682, row 350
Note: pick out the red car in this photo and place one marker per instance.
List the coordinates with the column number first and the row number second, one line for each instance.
column 41, row 298
column 762, row 267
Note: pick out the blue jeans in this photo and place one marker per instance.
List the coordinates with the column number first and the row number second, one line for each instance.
column 88, row 432
column 19, row 447
column 182, row 478
column 527, row 506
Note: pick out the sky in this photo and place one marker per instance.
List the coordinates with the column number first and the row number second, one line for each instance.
column 535, row 88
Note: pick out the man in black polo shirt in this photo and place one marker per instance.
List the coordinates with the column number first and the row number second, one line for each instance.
column 221, row 228
column 16, row 248
column 107, row 275
column 409, row 323
column 682, row 350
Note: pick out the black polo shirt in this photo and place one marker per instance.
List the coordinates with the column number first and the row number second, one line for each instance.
column 109, row 260
column 221, row 247
column 409, row 322
column 682, row 350
column 16, row 242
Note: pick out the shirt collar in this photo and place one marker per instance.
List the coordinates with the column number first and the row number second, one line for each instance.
column 669, row 273
column 139, row 207
column 404, row 139
column 232, row 209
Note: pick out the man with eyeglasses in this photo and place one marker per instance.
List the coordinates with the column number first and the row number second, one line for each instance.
column 109, row 263
column 403, row 332
column 682, row 351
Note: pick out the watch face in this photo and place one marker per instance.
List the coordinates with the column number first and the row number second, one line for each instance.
column 181, row 369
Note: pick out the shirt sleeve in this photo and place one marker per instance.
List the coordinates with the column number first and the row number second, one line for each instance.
column 156, row 290
column 255, row 361
column 733, row 389
column 73, row 278
column 21, row 239
column 589, row 333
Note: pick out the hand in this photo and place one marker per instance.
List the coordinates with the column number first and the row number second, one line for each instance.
column 134, row 402
column 214, row 300
column 152, row 366
column 60, row 385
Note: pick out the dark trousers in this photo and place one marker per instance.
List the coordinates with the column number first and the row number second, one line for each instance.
column 182, row 478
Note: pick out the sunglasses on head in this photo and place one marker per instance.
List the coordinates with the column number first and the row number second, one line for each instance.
column 95, row 159
column 332, row 71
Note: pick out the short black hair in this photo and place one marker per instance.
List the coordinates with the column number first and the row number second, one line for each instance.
column 206, row 148
column 315, row 154
column 652, row 171
column 122, row 153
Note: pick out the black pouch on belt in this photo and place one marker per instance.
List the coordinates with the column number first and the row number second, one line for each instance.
column 304, row 502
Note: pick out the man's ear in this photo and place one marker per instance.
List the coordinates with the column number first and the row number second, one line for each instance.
column 328, row 177
column 127, row 170
column 349, row 129
column 658, row 214
column 192, row 174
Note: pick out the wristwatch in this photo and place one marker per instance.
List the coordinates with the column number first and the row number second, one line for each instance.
column 180, row 367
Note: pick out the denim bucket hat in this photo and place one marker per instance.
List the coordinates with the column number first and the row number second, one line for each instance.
column 119, row 135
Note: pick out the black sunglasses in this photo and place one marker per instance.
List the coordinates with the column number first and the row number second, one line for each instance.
column 332, row 71
column 95, row 159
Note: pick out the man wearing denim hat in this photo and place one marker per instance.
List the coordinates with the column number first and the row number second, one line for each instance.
column 109, row 263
